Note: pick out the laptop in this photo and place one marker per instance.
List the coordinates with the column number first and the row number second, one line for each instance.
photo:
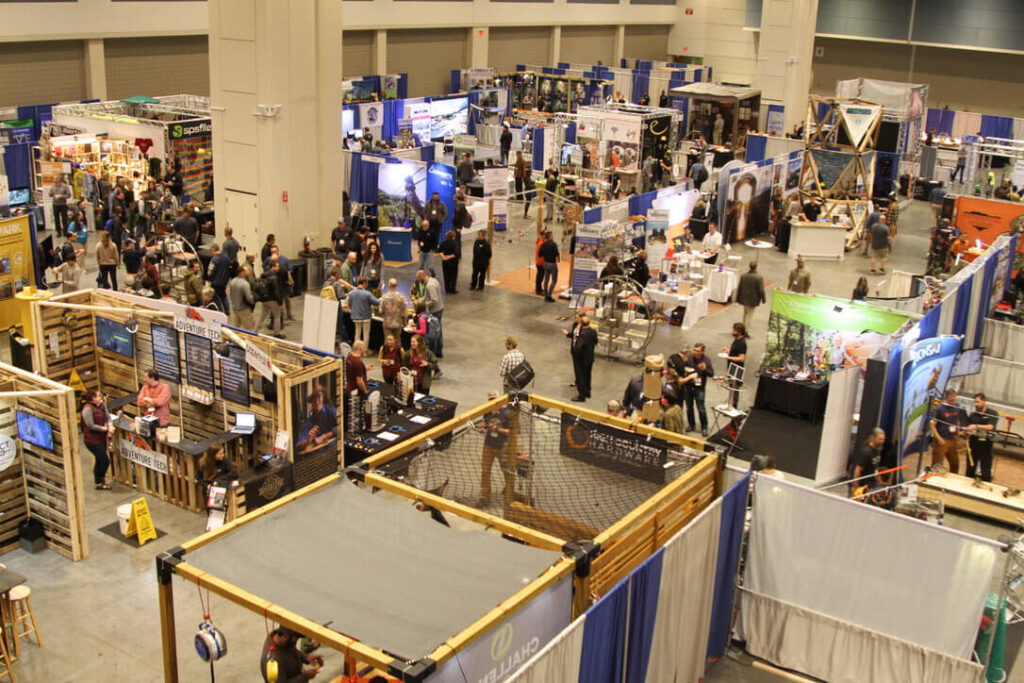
column 245, row 423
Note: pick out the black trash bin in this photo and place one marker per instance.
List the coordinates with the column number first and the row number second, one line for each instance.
column 32, row 535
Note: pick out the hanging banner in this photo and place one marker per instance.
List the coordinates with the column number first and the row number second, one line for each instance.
column 775, row 125
column 259, row 360
column 586, row 265
column 925, row 376
column 793, row 168
column 496, row 189
column 858, row 119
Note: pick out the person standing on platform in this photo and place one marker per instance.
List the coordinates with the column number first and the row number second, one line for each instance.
column 481, row 261
column 711, row 244
column 155, row 398
column 549, row 252
column 980, row 425
column 194, row 284
column 947, row 419
column 702, row 372
column 512, row 358
column 360, row 306
column 800, row 277
column 505, row 143
column 583, row 358
column 242, row 301
column 219, row 276
column 393, row 309
column 736, row 354
column 97, row 424
column 750, row 293
column 108, row 259
column 450, row 252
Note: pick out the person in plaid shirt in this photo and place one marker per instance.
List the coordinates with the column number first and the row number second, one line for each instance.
column 892, row 214
column 513, row 357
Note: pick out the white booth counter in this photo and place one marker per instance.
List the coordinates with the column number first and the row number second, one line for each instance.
column 696, row 302
column 818, row 240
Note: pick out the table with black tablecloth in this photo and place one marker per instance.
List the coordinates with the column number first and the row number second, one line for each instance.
column 800, row 399
column 400, row 422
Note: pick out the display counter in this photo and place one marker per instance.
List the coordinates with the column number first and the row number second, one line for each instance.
column 806, row 400
column 696, row 303
column 817, row 240
column 396, row 244
column 721, row 282
column 400, row 423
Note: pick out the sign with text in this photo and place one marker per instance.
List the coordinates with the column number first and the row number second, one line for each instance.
column 141, row 455
column 259, row 360
column 613, row 449
column 195, row 321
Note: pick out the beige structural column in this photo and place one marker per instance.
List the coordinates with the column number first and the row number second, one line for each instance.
column 620, row 45
column 555, row 48
column 380, row 51
column 479, row 38
column 785, row 52
column 95, row 70
column 275, row 91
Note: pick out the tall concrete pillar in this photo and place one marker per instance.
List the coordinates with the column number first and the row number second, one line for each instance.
column 95, row 70
column 275, row 91
column 785, row 53
column 555, row 47
column 380, row 51
column 477, row 46
column 620, row 45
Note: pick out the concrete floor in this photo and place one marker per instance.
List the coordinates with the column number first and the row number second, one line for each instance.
column 99, row 617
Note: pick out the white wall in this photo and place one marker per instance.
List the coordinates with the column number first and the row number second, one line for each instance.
column 21, row 21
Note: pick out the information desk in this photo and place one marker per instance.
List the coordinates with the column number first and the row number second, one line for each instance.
column 169, row 471
column 396, row 244
column 799, row 399
column 696, row 304
column 402, row 422
column 817, row 240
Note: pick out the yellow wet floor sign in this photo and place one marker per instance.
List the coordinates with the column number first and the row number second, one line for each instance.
column 141, row 523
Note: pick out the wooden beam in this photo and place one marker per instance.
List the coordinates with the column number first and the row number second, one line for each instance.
column 537, row 539
column 235, row 337
column 168, row 636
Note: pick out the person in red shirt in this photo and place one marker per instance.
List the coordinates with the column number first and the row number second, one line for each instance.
column 355, row 369
column 390, row 358
column 155, row 398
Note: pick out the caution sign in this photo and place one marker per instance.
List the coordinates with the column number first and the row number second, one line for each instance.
column 141, row 523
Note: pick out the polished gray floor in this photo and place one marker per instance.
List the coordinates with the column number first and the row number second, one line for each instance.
column 99, row 617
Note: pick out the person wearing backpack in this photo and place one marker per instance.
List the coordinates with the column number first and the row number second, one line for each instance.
column 268, row 293
column 512, row 359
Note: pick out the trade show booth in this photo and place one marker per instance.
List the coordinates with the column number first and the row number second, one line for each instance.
column 161, row 128
column 522, row 563
column 739, row 108
column 904, row 106
column 251, row 394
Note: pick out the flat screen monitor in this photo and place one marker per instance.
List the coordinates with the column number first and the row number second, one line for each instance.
column 35, row 430
column 568, row 151
column 449, row 116
column 112, row 336
column 19, row 197
column 968, row 362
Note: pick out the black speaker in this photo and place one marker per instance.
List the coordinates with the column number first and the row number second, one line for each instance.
column 888, row 137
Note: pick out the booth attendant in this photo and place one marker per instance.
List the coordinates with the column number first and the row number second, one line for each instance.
column 155, row 398
column 96, row 425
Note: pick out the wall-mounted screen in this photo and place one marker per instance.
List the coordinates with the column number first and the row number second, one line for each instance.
column 449, row 116
column 112, row 336
column 166, row 356
column 35, row 430
column 234, row 376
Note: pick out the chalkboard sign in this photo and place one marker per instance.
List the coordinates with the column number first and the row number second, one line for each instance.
column 614, row 449
column 166, row 356
column 234, row 376
column 199, row 365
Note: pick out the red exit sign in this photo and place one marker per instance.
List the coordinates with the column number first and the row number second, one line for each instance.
column 688, row 11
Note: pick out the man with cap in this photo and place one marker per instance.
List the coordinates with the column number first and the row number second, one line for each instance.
column 282, row 662
column 800, row 277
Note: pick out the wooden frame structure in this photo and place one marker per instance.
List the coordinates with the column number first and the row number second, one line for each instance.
column 596, row 565
column 42, row 484
column 60, row 347
column 823, row 134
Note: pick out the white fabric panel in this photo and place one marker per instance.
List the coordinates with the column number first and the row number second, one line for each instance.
column 559, row 660
column 1001, row 381
column 834, row 448
column 879, row 570
column 1003, row 340
column 1018, row 129
column 840, row 652
column 968, row 124
column 623, row 84
column 680, row 640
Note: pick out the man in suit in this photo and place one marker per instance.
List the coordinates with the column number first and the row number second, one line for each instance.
column 583, row 344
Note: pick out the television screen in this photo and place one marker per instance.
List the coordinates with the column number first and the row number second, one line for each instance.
column 35, row 430
column 19, row 197
column 112, row 336
column 968, row 362
column 449, row 117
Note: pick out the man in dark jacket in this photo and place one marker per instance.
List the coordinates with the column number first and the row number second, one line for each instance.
column 750, row 293
column 481, row 260
column 505, row 143
column 219, row 274
column 450, row 252
column 466, row 172
column 281, row 654
column 549, row 253
column 436, row 213
column 270, row 305
column 583, row 346
column 187, row 227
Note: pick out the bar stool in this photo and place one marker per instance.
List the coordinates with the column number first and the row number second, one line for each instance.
column 23, row 618
column 5, row 660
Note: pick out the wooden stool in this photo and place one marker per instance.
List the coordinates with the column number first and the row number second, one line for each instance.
column 23, row 619
column 5, row 659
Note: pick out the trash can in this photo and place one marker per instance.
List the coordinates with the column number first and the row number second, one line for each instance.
column 298, row 277
column 32, row 536
column 124, row 513
column 314, row 264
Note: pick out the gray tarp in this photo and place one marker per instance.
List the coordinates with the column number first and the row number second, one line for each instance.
column 374, row 569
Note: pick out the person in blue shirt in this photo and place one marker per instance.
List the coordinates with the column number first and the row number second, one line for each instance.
column 360, row 303
column 321, row 424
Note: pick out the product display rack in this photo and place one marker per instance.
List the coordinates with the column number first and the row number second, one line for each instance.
column 620, row 312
